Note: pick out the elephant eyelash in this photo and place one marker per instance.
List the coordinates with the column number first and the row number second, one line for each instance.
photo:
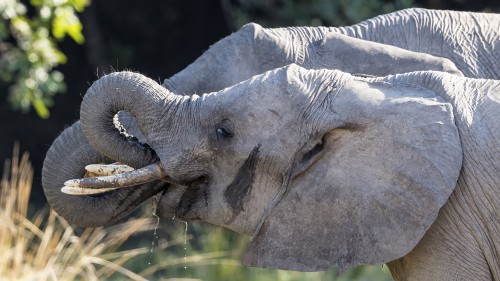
column 224, row 133
column 225, row 130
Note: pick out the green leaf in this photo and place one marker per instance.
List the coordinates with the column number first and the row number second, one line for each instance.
column 27, row 62
column 36, row 3
column 41, row 109
column 79, row 5
column 21, row 25
column 66, row 22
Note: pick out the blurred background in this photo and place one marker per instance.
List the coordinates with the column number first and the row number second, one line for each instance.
column 52, row 50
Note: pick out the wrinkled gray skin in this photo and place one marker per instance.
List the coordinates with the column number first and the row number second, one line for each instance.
column 397, row 170
column 399, row 42
column 278, row 173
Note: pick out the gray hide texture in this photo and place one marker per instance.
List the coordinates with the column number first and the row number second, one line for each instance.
column 461, row 244
column 464, row 241
column 378, row 184
column 418, row 39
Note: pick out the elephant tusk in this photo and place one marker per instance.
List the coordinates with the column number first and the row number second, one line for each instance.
column 106, row 183
column 107, row 170
column 85, row 191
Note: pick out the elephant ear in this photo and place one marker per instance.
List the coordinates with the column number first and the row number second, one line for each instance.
column 377, row 184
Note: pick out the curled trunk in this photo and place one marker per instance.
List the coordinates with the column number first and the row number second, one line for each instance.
column 104, row 137
column 66, row 159
column 142, row 97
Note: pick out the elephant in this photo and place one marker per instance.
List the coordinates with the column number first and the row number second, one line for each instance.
column 320, row 167
column 175, row 160
column 403, row 41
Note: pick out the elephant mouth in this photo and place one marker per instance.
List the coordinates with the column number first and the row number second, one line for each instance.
column 185, row 201
column 194, row 195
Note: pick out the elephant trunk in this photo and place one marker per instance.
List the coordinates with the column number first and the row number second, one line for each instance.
column 142, row 97
column 65, row 160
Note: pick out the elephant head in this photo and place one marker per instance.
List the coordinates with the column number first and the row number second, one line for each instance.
column 321, row 168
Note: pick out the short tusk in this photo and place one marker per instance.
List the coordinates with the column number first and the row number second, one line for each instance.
column 107, row 170
column 85, row 191
column 107, row 183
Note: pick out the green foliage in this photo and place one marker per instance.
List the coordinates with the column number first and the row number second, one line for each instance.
column 279, row 13
column 29, row 52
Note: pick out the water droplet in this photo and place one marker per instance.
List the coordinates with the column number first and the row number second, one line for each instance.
column 155, row 235
column 185, row 243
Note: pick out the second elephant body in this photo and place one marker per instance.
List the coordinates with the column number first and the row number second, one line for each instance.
column 399, row 42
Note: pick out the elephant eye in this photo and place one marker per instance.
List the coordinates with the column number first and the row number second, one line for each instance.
column 224, row 133
column 225, row 129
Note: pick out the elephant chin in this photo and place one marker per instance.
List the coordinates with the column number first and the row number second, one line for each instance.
column 170, row 201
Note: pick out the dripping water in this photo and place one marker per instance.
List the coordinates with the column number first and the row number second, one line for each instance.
column 185, row 235
column 155, row 202
column 185, row 244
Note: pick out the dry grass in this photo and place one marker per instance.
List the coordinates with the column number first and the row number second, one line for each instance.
column 45, row 246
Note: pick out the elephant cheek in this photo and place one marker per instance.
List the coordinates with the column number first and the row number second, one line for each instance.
column 169, row 201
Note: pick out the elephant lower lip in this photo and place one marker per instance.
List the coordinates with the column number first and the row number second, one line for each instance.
column 195, row 193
